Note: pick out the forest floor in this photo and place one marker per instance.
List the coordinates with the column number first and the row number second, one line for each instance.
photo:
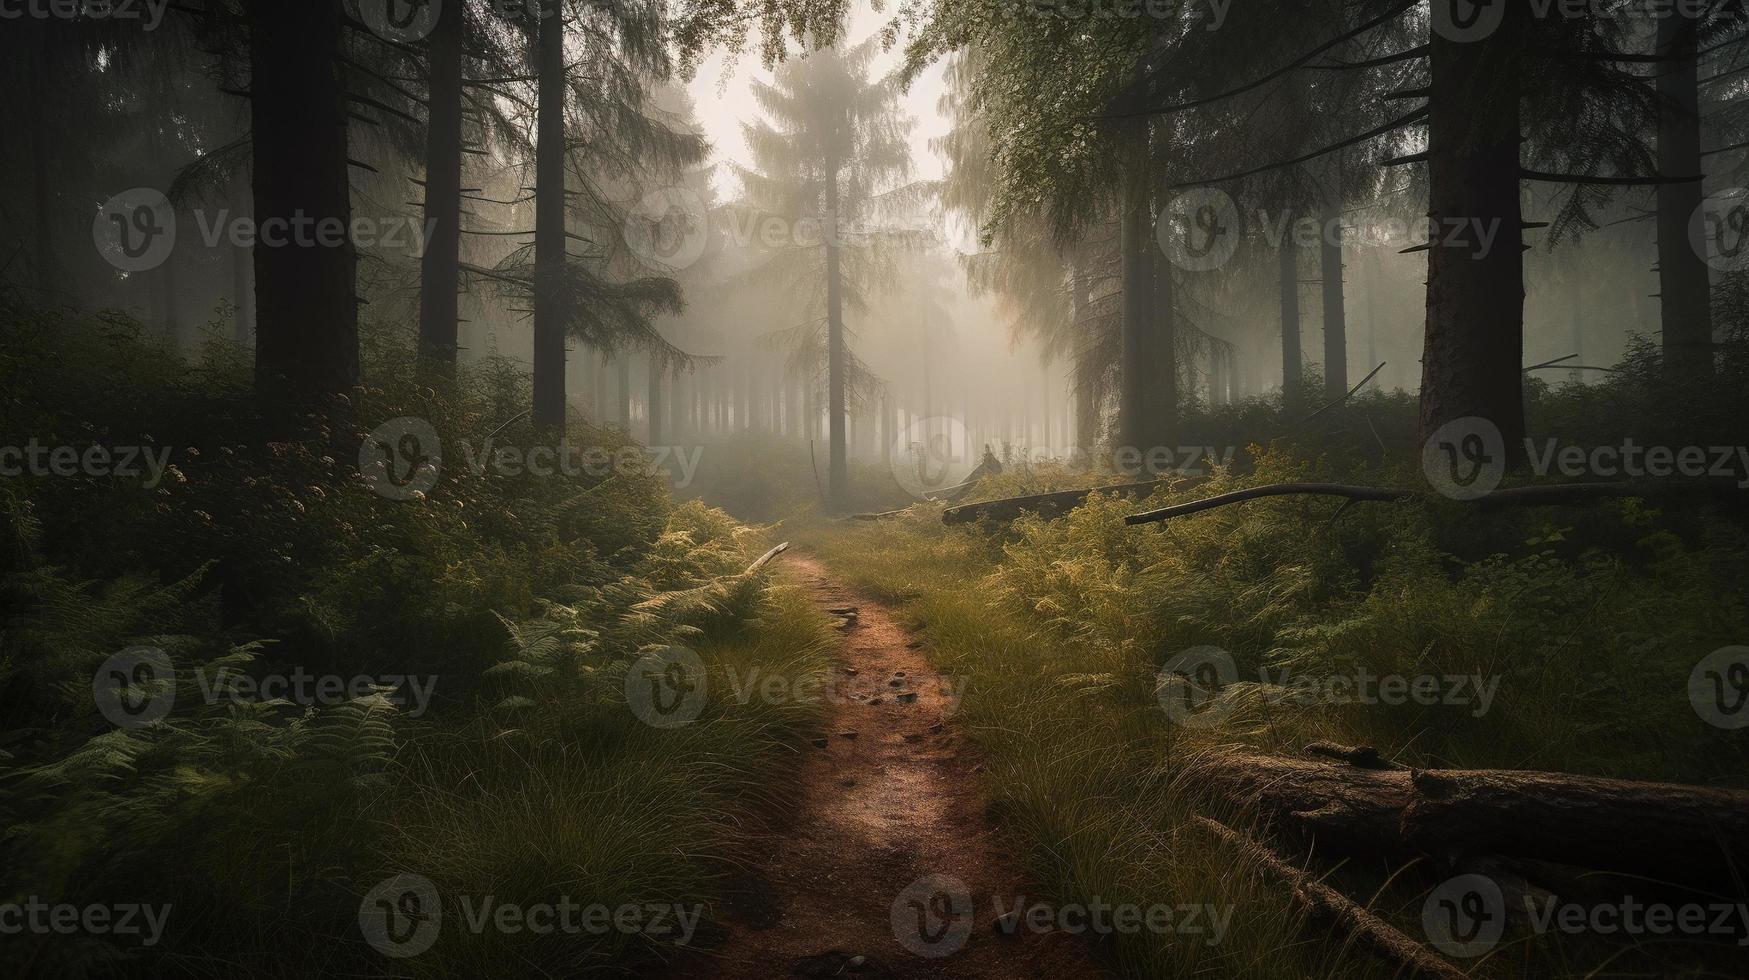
column 885, row 862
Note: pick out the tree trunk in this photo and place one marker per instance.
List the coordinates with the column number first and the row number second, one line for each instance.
column 242, row 330
column 42, row 171
column 680, row 408
column 1137, row 356
column 440, row 266
column 1370, row 270
column 1288, row 270
column 306, row 347
column 623, row 365
column 810, row 413
column 744, row 400
column 1335, row 313
column 550, row 314
column 654, row 406
column 597, row 384
column 1684, row 287
column 1086, row 418
column 1576, row 313
column 1048, row 421
column 1163, row 393
column 838, row 469
column 1472, row 359
column 169, row 301
column 889, row 427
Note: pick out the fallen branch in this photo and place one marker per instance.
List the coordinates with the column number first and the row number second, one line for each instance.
column 766, row 558
column 1322, row 900
column 1056, row 501
column 1270, row 490
column 1370, row 375
column 883, row 515
column 1546, row 494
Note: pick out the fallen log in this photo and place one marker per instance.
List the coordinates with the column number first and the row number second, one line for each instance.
column 1328, row 903
column 1689, row 835
column 1057, row 501
column 1554, row 493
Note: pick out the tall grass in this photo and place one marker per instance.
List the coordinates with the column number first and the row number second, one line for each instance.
column 1588, row 620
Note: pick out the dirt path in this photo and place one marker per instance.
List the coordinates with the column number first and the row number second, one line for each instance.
column 887, row 854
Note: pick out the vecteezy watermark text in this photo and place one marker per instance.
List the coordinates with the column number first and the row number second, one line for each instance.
column 43, row 918
column 137, row 230
column 1190, row 686
column 35, row 459
column 403, row 916
column 138, row 686
column 150, row 13
column 403, row 458
column 1467, row 916
column 933, row 917
column 669, row 687
column 1201, row 228
column 1466, row 459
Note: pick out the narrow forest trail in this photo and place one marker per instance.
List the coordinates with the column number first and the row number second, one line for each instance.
column 851, row 870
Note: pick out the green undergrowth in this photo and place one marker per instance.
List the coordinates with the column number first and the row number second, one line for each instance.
column 1583, row 623
column 518, row 602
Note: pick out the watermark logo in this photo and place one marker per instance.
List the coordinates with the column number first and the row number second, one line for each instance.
column 135, row 231
column 666, row 687
column 401, row 916
column 1465, row 21
column 932, row 454
column 1719, row 230
column 1189, row 686
column 1719, row 688
column 1200, row 229
column 932, row 916
column 406, row 21
column 1465, row 459
column 135, row 688
column 669, row 228
column 1465, row 916
column 401, row 459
